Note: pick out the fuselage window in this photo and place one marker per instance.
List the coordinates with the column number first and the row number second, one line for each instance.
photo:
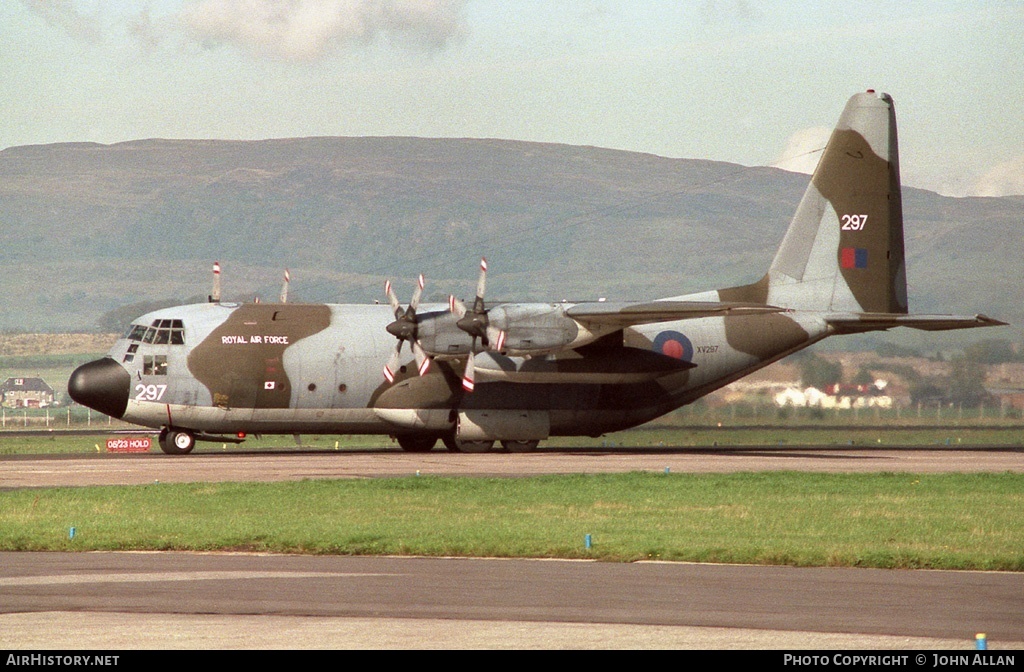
column 154, row 365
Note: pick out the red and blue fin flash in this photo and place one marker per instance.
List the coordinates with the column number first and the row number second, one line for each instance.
column 853, row 257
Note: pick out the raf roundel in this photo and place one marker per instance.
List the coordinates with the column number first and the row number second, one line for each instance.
column 675, row 345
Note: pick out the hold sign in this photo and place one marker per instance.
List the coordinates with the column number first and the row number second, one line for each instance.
column 129, row 444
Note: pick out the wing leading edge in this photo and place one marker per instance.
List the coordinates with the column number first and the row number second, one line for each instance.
column 628, row 314
column 624, row 315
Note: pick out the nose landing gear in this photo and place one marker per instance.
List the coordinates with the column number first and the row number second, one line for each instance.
column 177, row 441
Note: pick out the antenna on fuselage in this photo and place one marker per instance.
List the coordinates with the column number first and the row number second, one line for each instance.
column 215, row 294
column 284, row 287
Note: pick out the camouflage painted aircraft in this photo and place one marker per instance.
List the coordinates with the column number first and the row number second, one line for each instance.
column 519, row 373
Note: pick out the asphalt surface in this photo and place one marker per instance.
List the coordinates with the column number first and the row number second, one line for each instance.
column 238, row 465
column 84, row 600
column 206, row 601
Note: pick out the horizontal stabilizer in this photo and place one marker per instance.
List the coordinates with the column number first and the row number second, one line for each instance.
column 629, row 314
column 848, row 323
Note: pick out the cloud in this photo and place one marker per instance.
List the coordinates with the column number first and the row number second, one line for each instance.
column 292, row 30
column 1006, row 179
column 305, row 30
column 64, row 15
column 722, row 10
column 803, row 149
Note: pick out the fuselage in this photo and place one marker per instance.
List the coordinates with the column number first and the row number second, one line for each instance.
column 316, row 368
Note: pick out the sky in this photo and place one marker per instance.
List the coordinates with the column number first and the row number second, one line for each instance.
column 748, row 81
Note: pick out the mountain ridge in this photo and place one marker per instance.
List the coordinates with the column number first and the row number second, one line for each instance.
column 143, row 220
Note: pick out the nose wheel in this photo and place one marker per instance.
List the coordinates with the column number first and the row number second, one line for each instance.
column 177, row 441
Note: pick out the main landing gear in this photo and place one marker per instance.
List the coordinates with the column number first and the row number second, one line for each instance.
column 417, row 444
column 424, row 444
column 520, row 446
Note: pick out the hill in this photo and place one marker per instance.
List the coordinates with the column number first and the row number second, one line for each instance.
column 90, row 228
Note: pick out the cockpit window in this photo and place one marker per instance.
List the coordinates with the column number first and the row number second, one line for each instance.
column 161, row 332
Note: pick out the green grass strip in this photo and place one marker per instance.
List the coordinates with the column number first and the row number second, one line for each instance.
column 948, row 521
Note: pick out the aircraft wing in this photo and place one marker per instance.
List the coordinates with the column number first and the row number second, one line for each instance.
column 629, row 314
column 847, row 323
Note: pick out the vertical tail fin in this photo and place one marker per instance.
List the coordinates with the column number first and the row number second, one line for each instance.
column 843, row 251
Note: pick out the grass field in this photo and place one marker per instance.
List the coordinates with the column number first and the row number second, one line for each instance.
column 952, row 521
column 949, row 521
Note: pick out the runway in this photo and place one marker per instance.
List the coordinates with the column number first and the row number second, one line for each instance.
column 184, row 600
column 237, row 465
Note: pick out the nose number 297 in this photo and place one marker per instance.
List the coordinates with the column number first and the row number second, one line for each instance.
column 149, row 392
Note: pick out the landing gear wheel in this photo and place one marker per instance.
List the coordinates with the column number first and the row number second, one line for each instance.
column 451, row 443
column 177, row 442
column 520, row 446
column 417, row 444
column 457, row 445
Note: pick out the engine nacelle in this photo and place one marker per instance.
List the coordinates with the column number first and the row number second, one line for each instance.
column 531, row 329
column 438, row 335
column 534, row 328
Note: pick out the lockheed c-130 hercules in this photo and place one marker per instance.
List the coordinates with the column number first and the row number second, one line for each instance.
column 518, row 373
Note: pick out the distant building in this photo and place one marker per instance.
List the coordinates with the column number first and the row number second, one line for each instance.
column 837, row 396
column 26, row 393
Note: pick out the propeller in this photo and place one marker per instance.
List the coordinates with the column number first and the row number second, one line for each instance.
column 284, row 286
column 475, row 323
column 404, row 329
column 215, row 290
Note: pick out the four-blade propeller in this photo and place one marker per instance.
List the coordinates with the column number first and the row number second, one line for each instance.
column 404, row 329
column 475, row 323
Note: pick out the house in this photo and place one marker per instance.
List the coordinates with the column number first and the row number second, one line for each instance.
column 837, row 396
column 26, row 393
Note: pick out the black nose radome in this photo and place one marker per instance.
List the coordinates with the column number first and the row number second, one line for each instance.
column 102, row 385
